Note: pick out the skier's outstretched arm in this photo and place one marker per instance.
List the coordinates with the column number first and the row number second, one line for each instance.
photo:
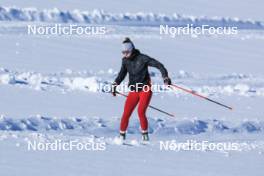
column 154, row 63
column 120, row 77
column 122, row 74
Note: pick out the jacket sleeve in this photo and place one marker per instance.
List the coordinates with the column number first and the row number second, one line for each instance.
column 122, row 73
column 154, row 63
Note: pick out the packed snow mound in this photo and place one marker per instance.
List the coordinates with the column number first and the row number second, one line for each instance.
column 158, row 126
column 127, row 19
column 100, row 82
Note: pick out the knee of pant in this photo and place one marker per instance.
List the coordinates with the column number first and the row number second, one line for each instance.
column 127, row 113
column 125, row 116
column 141, row 112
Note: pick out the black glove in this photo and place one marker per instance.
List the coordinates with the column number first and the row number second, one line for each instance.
column 167, row 81
column 113, row 89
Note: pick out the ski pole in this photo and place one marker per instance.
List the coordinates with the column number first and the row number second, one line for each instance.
column 152, row 107
column 201, row 96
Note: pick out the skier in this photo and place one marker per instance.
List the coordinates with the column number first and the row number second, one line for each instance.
column 136, row 64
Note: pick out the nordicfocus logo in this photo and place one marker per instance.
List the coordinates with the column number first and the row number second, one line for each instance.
column 59, row 145
column 137, row 87
column 189, row 29
column 189, row 145
column 59, row 29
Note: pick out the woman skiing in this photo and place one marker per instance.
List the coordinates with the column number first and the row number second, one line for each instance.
column 136, row 64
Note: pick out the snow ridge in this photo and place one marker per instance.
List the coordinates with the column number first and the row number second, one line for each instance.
column 127, row 19
column 96, row 125
column 96, row 82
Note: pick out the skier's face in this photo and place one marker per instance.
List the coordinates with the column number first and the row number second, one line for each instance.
column 126, row 54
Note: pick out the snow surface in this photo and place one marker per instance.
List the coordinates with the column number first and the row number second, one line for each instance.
column 128, row 19
column 50, row 91
column 247, row 9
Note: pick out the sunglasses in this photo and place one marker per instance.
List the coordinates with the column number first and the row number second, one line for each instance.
column 126, row 52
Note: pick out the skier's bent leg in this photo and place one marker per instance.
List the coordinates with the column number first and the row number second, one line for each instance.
column 131, row 103
column 144, row 99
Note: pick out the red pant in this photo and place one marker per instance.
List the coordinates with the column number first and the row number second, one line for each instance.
column 142, row 99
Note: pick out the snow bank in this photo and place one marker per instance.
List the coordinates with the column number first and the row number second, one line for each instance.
column 94, row 125
column 95, row 82
column 128, row 19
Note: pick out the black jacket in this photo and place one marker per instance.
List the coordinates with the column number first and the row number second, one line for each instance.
column 137, row 67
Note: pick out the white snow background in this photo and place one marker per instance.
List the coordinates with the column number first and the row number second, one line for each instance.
column 49, row 88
